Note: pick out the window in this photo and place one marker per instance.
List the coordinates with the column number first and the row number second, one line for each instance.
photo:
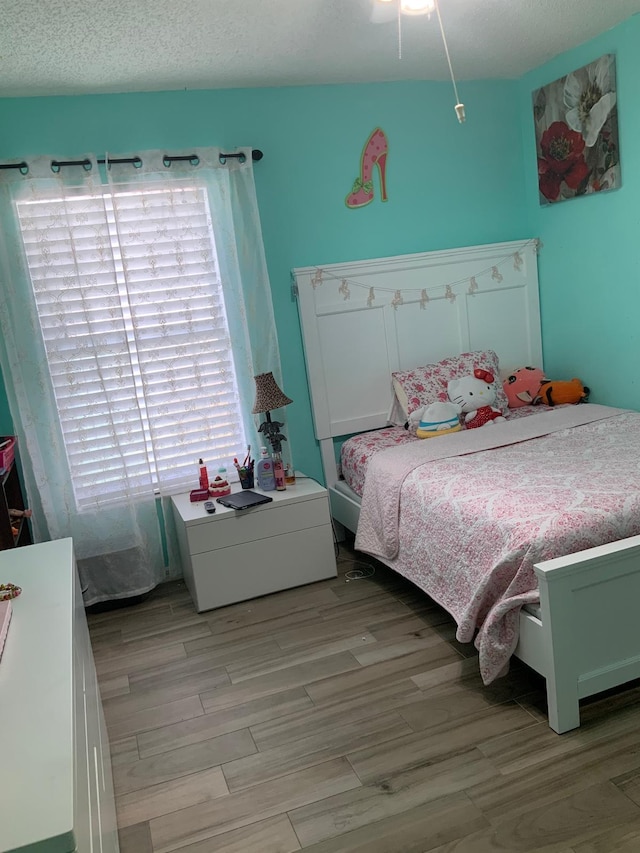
column 135, row 328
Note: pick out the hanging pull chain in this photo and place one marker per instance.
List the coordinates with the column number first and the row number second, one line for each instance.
column 459, row 107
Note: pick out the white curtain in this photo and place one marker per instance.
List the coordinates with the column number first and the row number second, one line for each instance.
column 125, row 547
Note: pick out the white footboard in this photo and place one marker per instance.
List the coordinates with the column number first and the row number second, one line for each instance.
column 588, row 637
column 590, row 628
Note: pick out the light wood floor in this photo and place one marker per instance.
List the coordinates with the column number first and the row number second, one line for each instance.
column 343, row 716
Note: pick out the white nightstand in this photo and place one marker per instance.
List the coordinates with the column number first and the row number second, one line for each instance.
column 235, row 555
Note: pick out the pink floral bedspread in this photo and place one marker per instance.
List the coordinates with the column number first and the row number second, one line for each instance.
column 357, row 450
column 471, row 527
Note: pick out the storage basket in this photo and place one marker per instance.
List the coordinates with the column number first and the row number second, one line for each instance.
column 7, row 452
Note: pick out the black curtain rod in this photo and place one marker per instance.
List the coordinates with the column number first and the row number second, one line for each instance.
column 24, row 167
column 167, row 160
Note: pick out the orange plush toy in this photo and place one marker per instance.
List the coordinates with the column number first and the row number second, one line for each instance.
column 556, row 392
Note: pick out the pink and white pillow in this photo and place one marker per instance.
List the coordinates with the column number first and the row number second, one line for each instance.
column 424, row 385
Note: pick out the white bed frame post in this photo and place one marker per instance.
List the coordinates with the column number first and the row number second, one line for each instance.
column 589, row 608
column 561, row 676
column 330, row 468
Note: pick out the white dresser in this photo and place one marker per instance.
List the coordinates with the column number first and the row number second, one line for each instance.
column 235, row 555
column 56, row 791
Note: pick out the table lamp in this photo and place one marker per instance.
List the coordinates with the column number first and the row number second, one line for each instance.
column 268, row 397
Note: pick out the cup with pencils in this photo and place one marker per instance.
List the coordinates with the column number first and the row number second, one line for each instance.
column 245, row 471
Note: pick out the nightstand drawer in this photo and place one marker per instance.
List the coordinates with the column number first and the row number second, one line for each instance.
column 262, row 522
column 257, row 568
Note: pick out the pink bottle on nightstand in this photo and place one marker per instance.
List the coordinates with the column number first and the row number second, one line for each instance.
column 203, row 475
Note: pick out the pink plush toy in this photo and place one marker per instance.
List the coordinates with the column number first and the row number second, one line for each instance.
column 523, row 385
column 475, row 395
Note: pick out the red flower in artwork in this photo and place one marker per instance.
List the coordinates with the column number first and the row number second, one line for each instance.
column 562, row 160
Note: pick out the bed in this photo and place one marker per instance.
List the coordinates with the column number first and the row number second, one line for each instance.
column 570, row 612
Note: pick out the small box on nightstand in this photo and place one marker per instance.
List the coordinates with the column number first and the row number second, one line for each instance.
column 196, row 495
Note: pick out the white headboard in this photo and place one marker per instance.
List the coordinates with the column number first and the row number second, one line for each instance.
column 363, row 320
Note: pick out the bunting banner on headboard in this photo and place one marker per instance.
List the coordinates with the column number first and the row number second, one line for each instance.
column 447, row 291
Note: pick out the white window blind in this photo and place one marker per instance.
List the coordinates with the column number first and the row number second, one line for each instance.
column 135, row 328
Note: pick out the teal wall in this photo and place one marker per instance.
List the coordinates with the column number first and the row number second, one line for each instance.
column 590, row 262
column 448, row 184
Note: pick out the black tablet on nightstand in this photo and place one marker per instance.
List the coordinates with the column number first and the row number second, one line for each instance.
column 244, row 499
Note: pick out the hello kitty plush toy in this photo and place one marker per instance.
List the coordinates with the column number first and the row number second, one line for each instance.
column 475, row 395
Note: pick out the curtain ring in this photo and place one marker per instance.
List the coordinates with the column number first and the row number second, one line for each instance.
column 86, row 164
column 24, row 168
column 241, row 158
column 137, row 162
column 192, row 159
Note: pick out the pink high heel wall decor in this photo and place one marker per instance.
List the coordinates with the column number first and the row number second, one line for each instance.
column 374, row 153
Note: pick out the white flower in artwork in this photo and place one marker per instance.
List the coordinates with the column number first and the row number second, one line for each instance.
column 589, row 98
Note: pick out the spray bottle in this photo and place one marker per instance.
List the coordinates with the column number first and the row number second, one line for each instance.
column 204, row 476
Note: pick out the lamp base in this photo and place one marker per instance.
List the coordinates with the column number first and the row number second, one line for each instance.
column 272, row 434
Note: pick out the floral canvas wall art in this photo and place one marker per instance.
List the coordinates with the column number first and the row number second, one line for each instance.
column 576, row 127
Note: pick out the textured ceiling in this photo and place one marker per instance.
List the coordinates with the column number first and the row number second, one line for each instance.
column 53, row 47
